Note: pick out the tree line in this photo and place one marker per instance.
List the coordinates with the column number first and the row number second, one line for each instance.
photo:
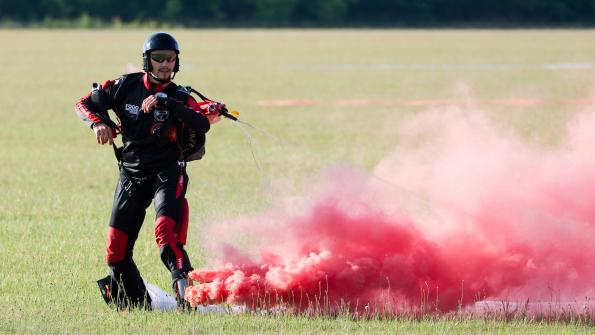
column 296, row 13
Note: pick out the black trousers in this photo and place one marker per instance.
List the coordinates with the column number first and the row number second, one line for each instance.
column 132, row 197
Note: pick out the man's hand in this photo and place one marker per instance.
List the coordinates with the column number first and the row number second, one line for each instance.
column 213, row 118
column 103, row 133
column 149, row 104
column 212, row 111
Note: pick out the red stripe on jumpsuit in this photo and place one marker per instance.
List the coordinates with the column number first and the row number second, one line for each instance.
column 83, row 110
column 181, row 230
column 164, row 235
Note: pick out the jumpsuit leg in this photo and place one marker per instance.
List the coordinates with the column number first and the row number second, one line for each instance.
column 172, row 221
column 128, row 213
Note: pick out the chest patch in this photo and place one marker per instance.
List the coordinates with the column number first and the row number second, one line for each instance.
column 160, row 115
column 132, row 110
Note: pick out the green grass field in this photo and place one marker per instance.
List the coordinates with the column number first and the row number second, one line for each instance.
column 57, row 183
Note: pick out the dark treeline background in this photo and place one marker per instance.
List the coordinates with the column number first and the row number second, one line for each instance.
column 299, row 13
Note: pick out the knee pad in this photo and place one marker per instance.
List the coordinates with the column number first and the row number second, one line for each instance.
column 115, row 245
column 165, row 231
column 165, row 237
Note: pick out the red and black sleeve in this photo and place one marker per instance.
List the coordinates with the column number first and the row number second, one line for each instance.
column 89, row 112
column 189, row 113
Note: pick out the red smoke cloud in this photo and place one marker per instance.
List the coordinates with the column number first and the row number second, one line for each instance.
column 466, row 215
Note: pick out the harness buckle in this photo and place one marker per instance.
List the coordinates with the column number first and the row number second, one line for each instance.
column 161, row 177
column 127, row 185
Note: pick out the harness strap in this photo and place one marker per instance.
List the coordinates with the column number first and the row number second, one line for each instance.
column 117, row 152
column 204, row 98
column 126, row 180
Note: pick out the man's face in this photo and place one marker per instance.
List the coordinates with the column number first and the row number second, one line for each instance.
column 163, row 63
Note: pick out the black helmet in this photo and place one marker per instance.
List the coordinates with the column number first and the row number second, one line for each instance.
column 159, row 41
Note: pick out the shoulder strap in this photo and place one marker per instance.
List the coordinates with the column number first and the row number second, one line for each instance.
column 200, row 95
column 124, row 85
column 178, row 92
column 223, row 112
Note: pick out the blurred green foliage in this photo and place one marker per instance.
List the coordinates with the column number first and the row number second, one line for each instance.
column 297, row 13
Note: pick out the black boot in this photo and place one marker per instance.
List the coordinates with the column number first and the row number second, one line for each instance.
column 114, row 293
column 124, row 287
column 179, row 286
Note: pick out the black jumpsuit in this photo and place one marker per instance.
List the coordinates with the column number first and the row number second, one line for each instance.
column 150, row 169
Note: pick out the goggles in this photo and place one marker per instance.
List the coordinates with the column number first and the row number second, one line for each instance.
column 160, row 58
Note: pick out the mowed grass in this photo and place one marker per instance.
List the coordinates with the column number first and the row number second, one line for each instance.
column 57, row 184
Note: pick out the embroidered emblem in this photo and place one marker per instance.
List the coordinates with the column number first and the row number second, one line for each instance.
column 133, row 110
column 160, row 115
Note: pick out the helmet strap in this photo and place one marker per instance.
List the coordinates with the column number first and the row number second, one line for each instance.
column 161, row 80
column 146, row 62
